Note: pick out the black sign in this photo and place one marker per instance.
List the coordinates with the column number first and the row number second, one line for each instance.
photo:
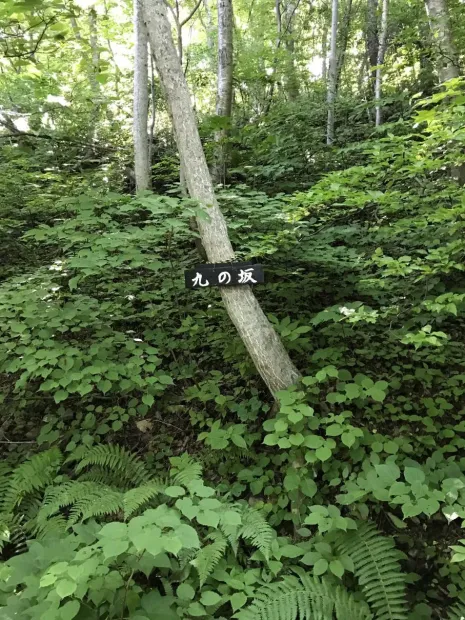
column 224, row 274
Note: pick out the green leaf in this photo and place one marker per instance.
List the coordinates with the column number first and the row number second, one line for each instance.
column 209, row 518
column 148, row 400
column 336, row 567
column 188, row 536
column 376, row 394
column 174, row 491
column 65, row 587
column 238, row 600
column 70, row 610
column 196, row 609
column 114, row 530
column 413, row 475
column 323, row 453
column 104, row 386
column 320, row 567
column 60, row 396
column 308, row 487
column 239, row 441
column 210, row 598
column 185, row 592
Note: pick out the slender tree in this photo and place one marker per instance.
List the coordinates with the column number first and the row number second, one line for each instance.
column 259, row 337
column 224, row 94
column 446, row 53
column 140, row 102
column 379, row 67
column 371, row 37
column 332, row 78
column 291, row 81
column 344, row 37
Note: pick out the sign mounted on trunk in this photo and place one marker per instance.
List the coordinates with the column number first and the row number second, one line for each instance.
column 224, row 274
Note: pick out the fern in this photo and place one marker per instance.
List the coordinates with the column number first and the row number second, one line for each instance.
column 134, row 499
column 256, row 529
column 457, row 612
column 185, row 470
column 84, row 500
column 33, row 475
column 209, row 556
column 116, row 460
column 377, row 570
column 305, row 597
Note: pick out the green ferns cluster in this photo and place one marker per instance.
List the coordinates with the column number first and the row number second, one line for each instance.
column 200, row 546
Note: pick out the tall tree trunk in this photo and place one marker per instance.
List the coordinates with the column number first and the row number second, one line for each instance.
column 331, row 98
column 344, row 40
column 225, row 85
column 446, row 53
column 260, row 339
column 379, row 68
column 95, row 57
column 209, row 27
column 324, row 53
column 371, row 34
column 141, row 101
column 291, row 82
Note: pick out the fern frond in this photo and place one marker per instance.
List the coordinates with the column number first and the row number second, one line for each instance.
column 256, row 529
column 13, row 532
column 51, row 527
column 306, row 598
column 116, row 459
column 457, row 612
column 209, row 556
column 185, row 470
column 33, row 475
column 84, row 500
column 378, row 571
column 134, row 499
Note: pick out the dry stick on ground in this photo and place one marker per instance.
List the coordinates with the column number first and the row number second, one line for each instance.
column 262, row 342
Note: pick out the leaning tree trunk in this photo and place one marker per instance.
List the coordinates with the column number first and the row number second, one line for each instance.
column 141, row 101
column 332, row 79
column 225, row 85
column 446, row 53
column 379, row 68
column 260, row 339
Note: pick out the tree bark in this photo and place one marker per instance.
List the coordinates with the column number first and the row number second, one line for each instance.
column 344, row 40
column 225, row 85
column 141, row 102
column 380, row 62
column 446, row 53
column 372, row 43
column 331, row 97
column 260, row 339
column 324, row 53
column 291, row 82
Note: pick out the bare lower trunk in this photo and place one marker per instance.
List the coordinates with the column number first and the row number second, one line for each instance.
column 141, row 101
column 331, row 97
column 446, row 53
column 379, row 68
column 261, row 341
column 225, row 83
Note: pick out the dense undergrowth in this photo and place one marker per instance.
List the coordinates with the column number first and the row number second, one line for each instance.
column 347, row 501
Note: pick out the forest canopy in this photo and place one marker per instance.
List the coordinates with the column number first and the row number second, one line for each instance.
column 286, row 449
